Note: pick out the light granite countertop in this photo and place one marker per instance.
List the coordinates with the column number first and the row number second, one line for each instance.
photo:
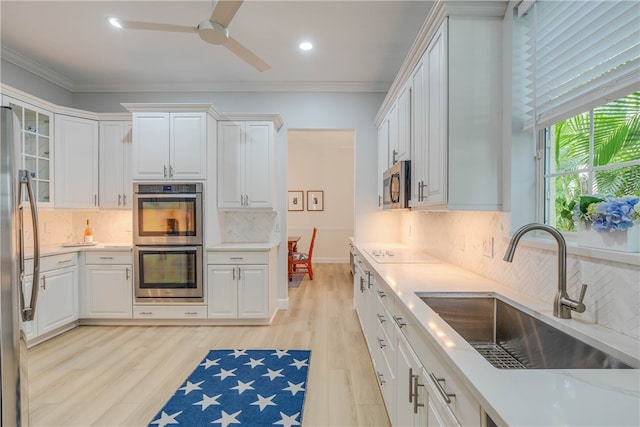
column 579, row 397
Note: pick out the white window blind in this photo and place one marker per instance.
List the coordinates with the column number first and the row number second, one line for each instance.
column 578, row 55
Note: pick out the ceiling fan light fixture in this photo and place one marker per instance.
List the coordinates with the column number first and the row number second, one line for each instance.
column 115, row 22
column 213, row 33
column 305, row 46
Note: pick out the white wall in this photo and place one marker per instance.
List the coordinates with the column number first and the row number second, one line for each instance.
column 323, row 160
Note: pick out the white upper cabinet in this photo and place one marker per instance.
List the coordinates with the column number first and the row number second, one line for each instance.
column 383, row 156
column 453, row 99
column 76, row 154
column 115, row 164
column 246, row 151
column 169, row 146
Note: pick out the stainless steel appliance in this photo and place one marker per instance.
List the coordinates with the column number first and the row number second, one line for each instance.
column 167, row 214
column 13, row 305
column 167, row 230
column 397, row 186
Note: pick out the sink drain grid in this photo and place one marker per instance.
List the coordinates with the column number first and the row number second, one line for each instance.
column 498, row 356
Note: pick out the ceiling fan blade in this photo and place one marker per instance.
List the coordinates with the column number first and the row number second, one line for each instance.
column 224, row 11
column 152, row 26
column 251, row 58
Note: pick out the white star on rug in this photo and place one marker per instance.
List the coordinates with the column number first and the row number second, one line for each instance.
column 208, row 401
column 209, row 363
column 280, row 353
column 299, row 363
column 224, row 373
column 273, row 374
column 166, row 419
column 238, row 353
column 254, row 362
column 263, row 402
column 227, row 419
column 287, row 420
column 294, row 388
column 241, row 387
column 189, row 387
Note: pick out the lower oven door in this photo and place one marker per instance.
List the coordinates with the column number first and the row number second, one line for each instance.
column 168, row 272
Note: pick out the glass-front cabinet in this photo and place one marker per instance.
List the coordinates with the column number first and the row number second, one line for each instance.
column 36, row 130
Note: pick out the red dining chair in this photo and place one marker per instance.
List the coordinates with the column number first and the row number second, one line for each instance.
column 302, row 261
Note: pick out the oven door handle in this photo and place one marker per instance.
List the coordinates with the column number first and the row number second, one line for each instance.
column 167, row 248
column 167, row 195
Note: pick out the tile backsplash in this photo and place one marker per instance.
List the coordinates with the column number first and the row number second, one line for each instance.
column 58, row 226
column 613, row 296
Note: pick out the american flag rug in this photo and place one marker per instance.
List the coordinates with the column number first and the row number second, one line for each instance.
column 241, row 387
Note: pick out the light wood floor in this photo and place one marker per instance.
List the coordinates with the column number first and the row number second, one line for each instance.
column 121, row 376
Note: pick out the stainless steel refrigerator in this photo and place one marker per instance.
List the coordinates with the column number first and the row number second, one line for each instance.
column 15, row 188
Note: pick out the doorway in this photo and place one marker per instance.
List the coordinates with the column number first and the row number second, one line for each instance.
column 320, row 184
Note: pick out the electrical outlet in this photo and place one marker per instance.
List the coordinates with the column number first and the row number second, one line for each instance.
column 487, row 247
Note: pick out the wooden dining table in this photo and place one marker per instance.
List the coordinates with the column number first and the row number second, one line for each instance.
column 292, row 242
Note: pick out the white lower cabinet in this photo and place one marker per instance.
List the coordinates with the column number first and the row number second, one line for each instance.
column 108, row 285
column 240, row 285
column 169, row 312
column 411, row 396
column 57, row 302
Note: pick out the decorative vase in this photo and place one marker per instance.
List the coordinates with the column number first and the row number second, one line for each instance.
column 617, row 240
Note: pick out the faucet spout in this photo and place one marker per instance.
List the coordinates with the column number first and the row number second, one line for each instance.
column 563, row 305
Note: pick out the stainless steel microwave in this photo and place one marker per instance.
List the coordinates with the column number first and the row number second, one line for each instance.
column 396, row 186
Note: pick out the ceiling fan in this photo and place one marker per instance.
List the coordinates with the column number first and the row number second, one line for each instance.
column 214, row 31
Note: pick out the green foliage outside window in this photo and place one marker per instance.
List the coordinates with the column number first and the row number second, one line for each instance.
column 578, row 157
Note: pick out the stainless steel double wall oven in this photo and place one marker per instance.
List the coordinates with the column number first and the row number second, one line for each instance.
column 167, row 235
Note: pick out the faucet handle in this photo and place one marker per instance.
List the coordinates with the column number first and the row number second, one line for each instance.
column 579, row 306
column 583, row 291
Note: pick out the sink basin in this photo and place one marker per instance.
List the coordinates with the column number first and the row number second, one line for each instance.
column 512, row 339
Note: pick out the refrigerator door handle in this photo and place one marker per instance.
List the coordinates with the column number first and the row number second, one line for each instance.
column 28, row 312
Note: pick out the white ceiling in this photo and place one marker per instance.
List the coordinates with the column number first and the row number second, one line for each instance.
column 359, row 44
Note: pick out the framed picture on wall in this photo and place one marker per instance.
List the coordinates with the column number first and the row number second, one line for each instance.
column 296, row 200
column 315, row 200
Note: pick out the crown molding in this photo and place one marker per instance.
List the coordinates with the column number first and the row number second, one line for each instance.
column 440, row 10
column 173, row 108
column 275, row 118
column 34, row 67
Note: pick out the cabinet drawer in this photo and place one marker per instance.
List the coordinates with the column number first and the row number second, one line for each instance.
column 169, row 312
column 109, row 257
column 53, row 262
column 237, row 257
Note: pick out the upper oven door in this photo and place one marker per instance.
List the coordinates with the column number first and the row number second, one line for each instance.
column 167, row 219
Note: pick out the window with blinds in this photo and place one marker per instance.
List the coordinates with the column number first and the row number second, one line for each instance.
column 576, row 55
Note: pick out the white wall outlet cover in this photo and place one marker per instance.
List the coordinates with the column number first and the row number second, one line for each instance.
column 487, row 247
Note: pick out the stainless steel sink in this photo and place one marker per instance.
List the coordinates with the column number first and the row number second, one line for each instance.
column 512, row 339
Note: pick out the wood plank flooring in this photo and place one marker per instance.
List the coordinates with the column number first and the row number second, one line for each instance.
column 122, row 375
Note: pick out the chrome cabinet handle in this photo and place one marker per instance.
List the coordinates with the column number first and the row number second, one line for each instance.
column 233, row 273
column 64, row 261
column 395, row 153
column 369, row 284
column 239, row 274
column 239, row 258
column 146, row 313
column 126, row 273
column 95, row 200
column 28, row 312
column 399, row 321
column 381, row 318
column 165, row 170
column 170, row 171
column 104, row 257
column 44, row 283
column 381, row 343
column 416, row 384
column 124, row 200
column 380, row 378
column 119, row 200
column 382, row 294
column 361, row 284
column 445, row 395
column 190, row 313
column 411, row 385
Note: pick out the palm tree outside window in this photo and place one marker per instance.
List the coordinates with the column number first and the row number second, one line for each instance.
column 596, row 152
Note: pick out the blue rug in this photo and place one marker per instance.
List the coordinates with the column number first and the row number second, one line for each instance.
column 241, row 387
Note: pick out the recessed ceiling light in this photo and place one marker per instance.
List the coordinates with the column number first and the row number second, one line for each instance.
column 306, row 46
column 115, row 22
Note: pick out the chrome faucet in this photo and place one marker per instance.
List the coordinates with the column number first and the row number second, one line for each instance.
column 562, row 304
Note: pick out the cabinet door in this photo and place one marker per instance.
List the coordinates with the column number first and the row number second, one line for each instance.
column 392, row 118
column 383, row 156
column 109, row 291
column 151, row 146
column 258, row 164
column 36, row 131
column 58, row 304
column 115, row 164
column 222, row 291
column 436, row 81
column 188, row 146
column 418, row 137
column 76, row 154
column 230, row 164
column 403, row 148
column 410, row 385
column 253, row 291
